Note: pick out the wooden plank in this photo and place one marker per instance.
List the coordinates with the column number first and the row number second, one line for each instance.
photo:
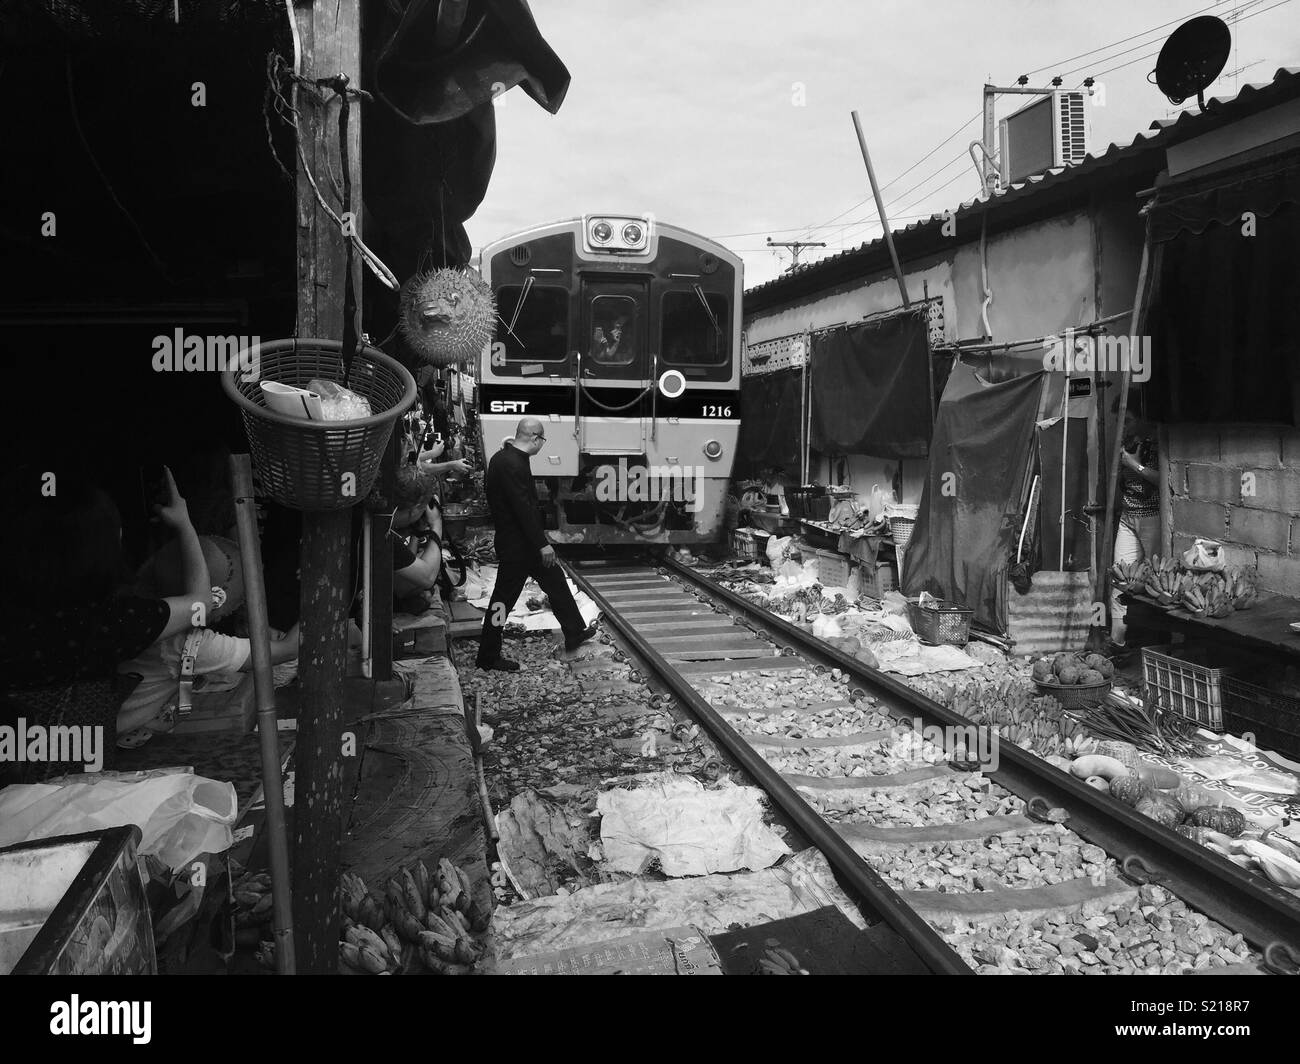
column 707, row 654
column 735, row 639
column 892, row 781
column 714, row 668
column 782, row 742
column 331, row 44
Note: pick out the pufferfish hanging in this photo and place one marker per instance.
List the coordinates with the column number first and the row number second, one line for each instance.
column 447, row 315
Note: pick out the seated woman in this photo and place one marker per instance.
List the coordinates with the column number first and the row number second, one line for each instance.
column 66, row 628
column 214, row 660
column 417, row 539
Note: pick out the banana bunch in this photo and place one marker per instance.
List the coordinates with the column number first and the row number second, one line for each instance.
column 1079, row 745
column 779, row 961
column 1194, row 599
column 1129, row 575
column 1164, row 584
column 435, row 913
column 365, row 951
column 253, row 899
column 1239, row 585
column 358, row 904
column 1217, row 603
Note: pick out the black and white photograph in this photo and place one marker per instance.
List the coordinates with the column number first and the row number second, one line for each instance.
column 649, row 487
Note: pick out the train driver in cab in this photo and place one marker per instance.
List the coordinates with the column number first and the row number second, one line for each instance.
column 607, row 343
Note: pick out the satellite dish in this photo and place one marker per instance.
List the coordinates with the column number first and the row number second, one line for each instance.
column 1193, row 56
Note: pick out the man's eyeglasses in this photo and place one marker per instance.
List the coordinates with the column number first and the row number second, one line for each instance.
column 540, row 435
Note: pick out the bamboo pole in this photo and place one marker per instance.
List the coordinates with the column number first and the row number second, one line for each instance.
column 880, row 211
column 268, row 732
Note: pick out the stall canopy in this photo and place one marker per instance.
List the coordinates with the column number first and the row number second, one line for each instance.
column 1223, row 318
column 769, row 428
column 871, row 388
column 969, row 514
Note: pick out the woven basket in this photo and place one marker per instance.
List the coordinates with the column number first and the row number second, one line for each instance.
column 319, row 465
column 902, row 519
column 1072, row 696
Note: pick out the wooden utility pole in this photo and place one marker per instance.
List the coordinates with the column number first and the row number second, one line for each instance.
column 330, row 35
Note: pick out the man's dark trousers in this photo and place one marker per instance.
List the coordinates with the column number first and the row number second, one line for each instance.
column 511, row 577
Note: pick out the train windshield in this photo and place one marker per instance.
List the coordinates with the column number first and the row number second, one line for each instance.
column 534, row 323
column 694, row 328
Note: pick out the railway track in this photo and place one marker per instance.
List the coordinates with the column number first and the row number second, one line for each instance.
column 960, row 865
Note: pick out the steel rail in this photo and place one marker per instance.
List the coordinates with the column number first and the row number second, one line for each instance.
column 1249, row 904
column 927, row 943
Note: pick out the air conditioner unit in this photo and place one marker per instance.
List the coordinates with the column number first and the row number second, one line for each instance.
column 1050, row 132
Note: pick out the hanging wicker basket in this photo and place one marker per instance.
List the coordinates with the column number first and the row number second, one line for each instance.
column 319, row 465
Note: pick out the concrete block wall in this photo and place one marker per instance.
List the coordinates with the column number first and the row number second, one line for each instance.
column 1240, row 485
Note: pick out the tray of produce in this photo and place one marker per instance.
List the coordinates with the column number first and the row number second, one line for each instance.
column 1074, row 679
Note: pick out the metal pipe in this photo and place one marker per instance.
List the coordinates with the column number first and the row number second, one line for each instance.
column 268, row 730
column 1065, row 450
column 938, row 956
column 366, row 594
column 880, row 210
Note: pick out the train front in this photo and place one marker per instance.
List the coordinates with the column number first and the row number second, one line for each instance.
column 621, row 335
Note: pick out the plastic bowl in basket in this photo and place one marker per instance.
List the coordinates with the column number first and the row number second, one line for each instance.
column 319, row 465
column 1075, row 696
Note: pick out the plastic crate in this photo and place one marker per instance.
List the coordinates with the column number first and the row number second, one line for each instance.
column 832, row 568
column 749, row 543
column 1191, row 690
column 1273, row 719
column 940, row 622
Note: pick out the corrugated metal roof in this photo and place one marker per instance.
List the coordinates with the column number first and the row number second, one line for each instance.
column 1255, row 96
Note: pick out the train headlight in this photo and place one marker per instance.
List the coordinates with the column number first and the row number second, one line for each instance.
column 713, row 450
column 632, row 233
column 601, row 232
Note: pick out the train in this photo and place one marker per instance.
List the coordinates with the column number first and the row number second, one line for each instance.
column 621, row 334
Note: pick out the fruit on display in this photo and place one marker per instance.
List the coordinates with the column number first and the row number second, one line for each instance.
column 428, row 918
column 1129, row 789
column 1099, row 765
column 1163, row 808
column 1073, row 670
column 1129, row 575
column 1098, row 782
column 1223, row 819
column 1239, row 586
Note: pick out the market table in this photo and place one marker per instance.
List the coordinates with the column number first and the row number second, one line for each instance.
column 1262, row 627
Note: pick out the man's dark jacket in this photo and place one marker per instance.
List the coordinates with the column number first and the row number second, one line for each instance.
column 512, row 498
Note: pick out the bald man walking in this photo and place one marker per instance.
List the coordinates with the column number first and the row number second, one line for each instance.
column 522, row 548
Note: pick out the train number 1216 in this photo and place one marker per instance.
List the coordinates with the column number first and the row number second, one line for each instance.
column 717, row 411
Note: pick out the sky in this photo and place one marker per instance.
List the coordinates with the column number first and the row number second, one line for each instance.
column 731, row 118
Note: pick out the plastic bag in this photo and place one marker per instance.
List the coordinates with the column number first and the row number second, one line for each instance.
column 179, row 814
column 338, row 403
column 1204, row 555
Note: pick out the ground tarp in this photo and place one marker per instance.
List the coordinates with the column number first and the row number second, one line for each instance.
column 871, row 388
column 968, row 520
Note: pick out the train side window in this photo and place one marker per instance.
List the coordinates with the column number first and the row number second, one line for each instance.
column 694, row 328
column 613, row 330
column 537, row 331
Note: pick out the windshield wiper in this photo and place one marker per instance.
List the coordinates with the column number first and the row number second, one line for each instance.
column 528, row 284
column 708, row 309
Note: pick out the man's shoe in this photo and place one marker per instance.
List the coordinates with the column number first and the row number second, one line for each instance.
column 500, row 665
column 574, row 641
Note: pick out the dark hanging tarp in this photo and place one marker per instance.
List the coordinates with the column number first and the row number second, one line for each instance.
column 871, row 388
column 430, row 143
column 968, row 521
column 1225, row 322
column 1194, row 205
column 769, row 427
